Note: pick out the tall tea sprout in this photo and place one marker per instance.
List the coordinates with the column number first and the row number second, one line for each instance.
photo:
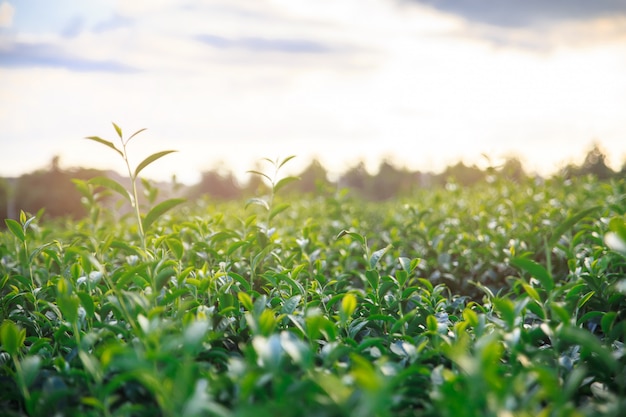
column 275, row 183
column 133, row 196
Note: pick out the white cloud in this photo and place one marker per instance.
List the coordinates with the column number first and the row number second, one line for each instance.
column 7, row 11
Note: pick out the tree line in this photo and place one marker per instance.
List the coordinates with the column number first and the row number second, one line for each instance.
column 54, row 190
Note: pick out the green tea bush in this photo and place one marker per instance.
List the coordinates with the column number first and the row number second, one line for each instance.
column 497, row 300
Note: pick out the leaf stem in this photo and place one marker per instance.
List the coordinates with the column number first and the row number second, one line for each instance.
column 135, row 201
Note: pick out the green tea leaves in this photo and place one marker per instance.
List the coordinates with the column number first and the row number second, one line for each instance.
column 536, row 271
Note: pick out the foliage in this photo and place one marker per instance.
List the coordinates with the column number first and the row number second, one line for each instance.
column 499, row 299
column 132, row 195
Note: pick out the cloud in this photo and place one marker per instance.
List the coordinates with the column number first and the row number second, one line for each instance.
column 516, row 13
column 259, row 44
column 6, row 14
column 74, row 27
column 116, row 21
column 537, row 26
column 26, row 55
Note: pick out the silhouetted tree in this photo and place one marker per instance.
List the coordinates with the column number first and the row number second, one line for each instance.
column 314, row 179
column 216, row 185
column 462, row 174
column 595, row 164
column 512, row 170
column 356, row 178
column 390, row 182
column 51, row 189
column 4, row 200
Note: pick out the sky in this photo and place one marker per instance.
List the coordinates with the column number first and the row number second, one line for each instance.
column 421, row 83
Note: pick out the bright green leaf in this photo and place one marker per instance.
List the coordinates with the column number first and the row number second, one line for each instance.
column 278, row 209
column 284, row 181
column 16, row 229
column 158, row 210
column 12, row 337
column 348, row 305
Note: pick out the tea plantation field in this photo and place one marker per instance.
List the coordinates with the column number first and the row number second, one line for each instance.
column 503, row 299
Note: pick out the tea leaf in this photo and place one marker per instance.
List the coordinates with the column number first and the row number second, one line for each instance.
column 284, row 161
column 30, row 369
column 536, row 271
column 12, row 337
column 261, row 174
column 348, row 305
column 16, row 229
column 258, row 202
column 112, row 185
column 278, row 209
column 135, row 134
column 284, row 181
column 158, row 210
column 118, row 130
column 568, row 224
column 375, row 258
column 105, row 143
column 150, row 160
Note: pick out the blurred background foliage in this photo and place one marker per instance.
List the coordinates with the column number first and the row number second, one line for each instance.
column 53, row 190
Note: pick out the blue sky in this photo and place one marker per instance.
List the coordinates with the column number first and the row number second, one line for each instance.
column 424, row 83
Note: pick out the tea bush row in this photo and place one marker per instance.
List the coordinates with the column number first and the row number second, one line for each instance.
column 500, row 299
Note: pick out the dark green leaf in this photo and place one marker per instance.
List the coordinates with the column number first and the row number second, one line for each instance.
column 162, row 277
column 607, row 321
column 87, row 302
column 373, row 278
column 536, row 271
column 590, row 343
